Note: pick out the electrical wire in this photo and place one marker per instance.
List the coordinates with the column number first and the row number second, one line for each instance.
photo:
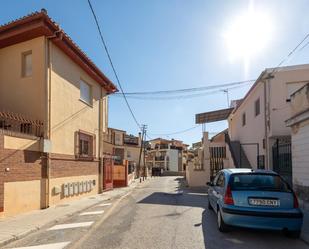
column 290, row 54
column 177, row 132
column 179, row 90
column 112, row 65
column 195, row 89
column 180, row 96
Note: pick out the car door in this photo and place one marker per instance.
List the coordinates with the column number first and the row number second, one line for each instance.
column 212, row 192
column 219, row 188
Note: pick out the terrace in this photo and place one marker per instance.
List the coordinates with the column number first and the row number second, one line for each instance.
column 15, row 124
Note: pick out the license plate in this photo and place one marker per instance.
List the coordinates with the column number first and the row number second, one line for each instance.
column 264, row 202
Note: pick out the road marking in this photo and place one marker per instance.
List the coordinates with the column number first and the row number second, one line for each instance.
column 92, row 213
column 104, row 204
column 71, row 225
column 46, row 246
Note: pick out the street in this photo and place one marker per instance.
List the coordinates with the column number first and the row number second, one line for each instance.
column 161, row 213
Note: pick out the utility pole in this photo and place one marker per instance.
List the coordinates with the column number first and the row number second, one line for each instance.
column 144, row 168
column 144, row 127
column 227, row 97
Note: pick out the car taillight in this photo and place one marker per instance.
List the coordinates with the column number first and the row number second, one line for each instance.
column 296, row 205
column 228, row 198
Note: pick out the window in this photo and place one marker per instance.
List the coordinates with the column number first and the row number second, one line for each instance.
column 85, row 145
column 244, row 119
column 257, row 107
column 119, row 156
column 26, row 64
column 85, row 92
column 128, row 154
column 220, row 180
column 118, row 139
column 259, row 182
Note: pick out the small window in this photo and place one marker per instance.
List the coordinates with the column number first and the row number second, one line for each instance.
column 244, row 119
column 257, row 107
column 118, row 139
column 128, row 154
column 85, row 92
column 85, row 145
column 27, row 64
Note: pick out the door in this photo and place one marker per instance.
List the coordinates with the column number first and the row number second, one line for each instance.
column 108, row 173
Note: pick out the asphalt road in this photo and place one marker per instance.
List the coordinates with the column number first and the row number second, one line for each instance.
column 159, row 214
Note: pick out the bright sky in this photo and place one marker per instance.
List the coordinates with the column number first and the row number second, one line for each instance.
column 163, row 45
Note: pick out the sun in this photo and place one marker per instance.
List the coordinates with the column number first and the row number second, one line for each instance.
column 248, row 35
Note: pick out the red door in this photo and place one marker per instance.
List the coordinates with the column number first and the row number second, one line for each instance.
column 107, row 173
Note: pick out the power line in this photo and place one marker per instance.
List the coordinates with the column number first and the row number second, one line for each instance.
column 195, row 89
column 180, row 96
column 290, row 54
column 112, row 65
column 177, row 132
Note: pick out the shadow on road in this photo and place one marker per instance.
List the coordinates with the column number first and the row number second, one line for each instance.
column 213, row 239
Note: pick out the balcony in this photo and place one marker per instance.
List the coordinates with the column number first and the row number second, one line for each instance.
column 160, row 158
column 161, row 146
column 18, row 125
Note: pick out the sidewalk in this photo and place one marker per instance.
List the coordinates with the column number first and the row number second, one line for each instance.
column 16, row 227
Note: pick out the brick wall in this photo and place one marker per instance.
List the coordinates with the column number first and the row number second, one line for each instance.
column 23, row 166
column 30, row 165
column 65, row 165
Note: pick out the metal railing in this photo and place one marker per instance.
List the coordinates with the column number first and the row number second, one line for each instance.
column 17, row 124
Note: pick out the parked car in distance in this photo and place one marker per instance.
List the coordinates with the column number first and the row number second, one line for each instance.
column 257, row 199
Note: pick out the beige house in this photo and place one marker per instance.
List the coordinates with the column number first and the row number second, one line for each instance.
column 51, row 132
column 299, row 123
column 209, row 157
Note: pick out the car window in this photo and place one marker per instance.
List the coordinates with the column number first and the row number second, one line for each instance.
column 216, row 179
column 265, row 182
column 220, row 181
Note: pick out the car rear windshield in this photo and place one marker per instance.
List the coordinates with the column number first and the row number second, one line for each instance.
column 265, row 182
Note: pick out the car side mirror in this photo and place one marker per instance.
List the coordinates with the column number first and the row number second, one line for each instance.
column 209, row 184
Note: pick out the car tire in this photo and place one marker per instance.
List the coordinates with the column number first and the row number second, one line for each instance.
column 222, row 227
column 293, row 234
column 209, row 205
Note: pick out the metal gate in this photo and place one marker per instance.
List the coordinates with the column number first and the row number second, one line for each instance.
column 282, row 160
column 108, row 173
column 217, row 155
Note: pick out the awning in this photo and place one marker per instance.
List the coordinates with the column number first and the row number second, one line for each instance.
column 213, row 116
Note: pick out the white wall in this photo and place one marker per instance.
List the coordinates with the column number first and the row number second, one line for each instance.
column 173, row 160
column 254, row 130
column 196, row 178
column 300, row 158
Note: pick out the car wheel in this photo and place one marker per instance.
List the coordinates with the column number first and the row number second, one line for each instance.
column 209, row 205
column 221, row 225
column 294, row 234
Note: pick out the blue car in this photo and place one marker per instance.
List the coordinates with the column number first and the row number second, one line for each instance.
column 257, row 199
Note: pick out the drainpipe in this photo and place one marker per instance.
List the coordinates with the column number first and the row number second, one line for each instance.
column 267, row 117
column 265, row 125
column 48, row 131
column 101, row 110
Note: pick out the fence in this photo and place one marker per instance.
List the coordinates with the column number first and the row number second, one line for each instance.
column 282, row 160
